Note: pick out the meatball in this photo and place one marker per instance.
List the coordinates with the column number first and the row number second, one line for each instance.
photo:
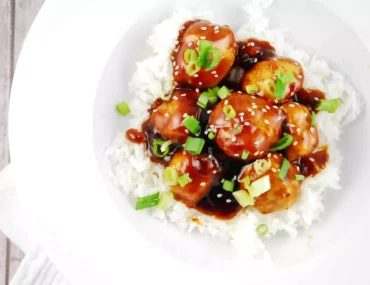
column 257, row 125
column 299, row 125
column 222, row 37
column 263, row 75
column 282, row 194
column 202, row 169
column 167, row 118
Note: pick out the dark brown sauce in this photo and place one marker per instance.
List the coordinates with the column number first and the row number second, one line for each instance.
column 309, row 97
column 135, row 136
column 315, row 162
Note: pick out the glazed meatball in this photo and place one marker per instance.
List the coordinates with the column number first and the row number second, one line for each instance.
column 202, row 169
column 257, row 125
column 167, row 118
column 263, row 75
column 299, row 125
column 221, row 37
column 282, row 194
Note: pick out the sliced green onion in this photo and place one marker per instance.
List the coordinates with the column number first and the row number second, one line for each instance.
column 262, row 229
column 284, row 169
column 243, row 198
column 157, row 148
column 204, row 53
column 299, row 177
column 229, row 111
column 223, row 92
column 165, row 200
column 260, row 186
column 194, row 145
column 228, row 185
column 211, row 135
column 237, row 130
column 262, row 165
column 269, row 86
column 278, row 72
column 192, row 68
column 165, row 145
column 203, row 100
column 245, row 154
column 313, row 120
column 170, row 176
column 252, row 89
column 215, row 90
column 123, row 108
column 191, row 124
column 184, row 179
column 246, row 181
column 215, row 53
column 283, row 143
column 190, row 55
column 328, row 105
column 147, row 201
column 288, row 77
column 279, row 88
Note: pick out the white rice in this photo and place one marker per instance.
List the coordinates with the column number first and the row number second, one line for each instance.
column 136, row 176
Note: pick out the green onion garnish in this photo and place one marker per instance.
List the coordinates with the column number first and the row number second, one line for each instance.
column 147, row 201
column 203, row 100
column 313, row 121
column 165, row 200
column 262, row 229
column 283, row 143
column 246, row 181
column 228, row 185
column 237, row 130
column 204, row 50
column 284, row 169
column 194, row 145
column 288, row 77
column 215, row 90
column 184, row 179
column 191, row 124
column 262, row 165
column 279, row 88
column 192, row 68
column 211, row 135
column 123, row 108
column 245, row 154
column 251, row 89
column 215, row 53
column 170, row 176
column 299, row 177
column 328, row 105
column 190, row 55
column 158, row 150
column 281, row 81
column 243, row 198
column 223, row 92
column 229, row 111
column 260, row 186
column 165, row 146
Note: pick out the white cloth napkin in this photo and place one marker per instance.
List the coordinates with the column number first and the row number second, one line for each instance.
column 36, row 268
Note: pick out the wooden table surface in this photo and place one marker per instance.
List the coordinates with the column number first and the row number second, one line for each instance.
column 16, row 17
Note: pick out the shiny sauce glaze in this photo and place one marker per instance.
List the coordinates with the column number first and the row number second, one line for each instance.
column 215, row 201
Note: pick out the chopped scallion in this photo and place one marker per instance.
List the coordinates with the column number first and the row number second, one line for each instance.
column 184, row 179
column 299, row 177
column 283, row 143
column 251, row 89
column 313, row 120
column 165, row 200
column 123, row 108
column 192, row 68
column 243, row 198
column 203, row 100
column 170, row 176
column 191, row 124
column 229, row 111
column 245, row 154
column 157, row 146
column 279, row 88
column 237, row 130
column 147, row 201
column 190, row 55
column 211, row 135
column 246, row 181
column 260, row 186
column 194, row 145
column 262, row 229
column 223, row 92
column 328, row 105
column 284, row 168
column 165, row 145
column 215, row 53
column 262, row 165
column 204, row 53
column 228, row 185
column 288, row 77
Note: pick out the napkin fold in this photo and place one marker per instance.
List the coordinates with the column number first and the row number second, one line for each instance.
column 36, row 267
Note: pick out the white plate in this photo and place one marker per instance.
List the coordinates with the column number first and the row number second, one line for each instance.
column 75, row 66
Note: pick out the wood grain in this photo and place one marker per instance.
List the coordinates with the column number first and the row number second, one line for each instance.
column 16, row 17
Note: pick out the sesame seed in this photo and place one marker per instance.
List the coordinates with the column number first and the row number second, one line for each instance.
column 298, row 130
column 256, row 153
column 255, row 60
column 249, row 110
column 236, row 155
column 292, row 125
column 242, row 119
column 219, row 195
column 185, row 115
column 312, row 129
column 233, row 139
column 228, row 201
column 222, row 181
column 295, row 143
column 197, row 90
column 203, row 184
column 241, row 114
column 253, row 97
column 176, row 73
column 268, row 107
column 175, row 97
column 243, row 47
column 206, row 132
column 269, row 155
column 299, row 76
column 155, row 110
column 200, row 83
column 291, row 105
column 214, row 171
column 183, row 95
column 252, row 113
column 202, row 37
column 187, row 131
column 262, row 152
column 316, row 98
column 254, row 106
column 312, row 159
column 216, row 27
column 216, row 75
column 203, row 28
column 279, row 118
column 267, row 121
column 275, row 107
column 305, row 114
column 274, row 59
column 217, row 31
column 240, row 92
column 234, row 178
column 209, row 111
column 174, row 63
column 226, row 102
column 256, row 142
column 276, row 101
column 210, row 156
column 273, row 170
column 275, row 156
column 167, row 115
column 247, row 123
column 196, row 75
column 190, row 44
column 177, row 67
column 264, row 110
